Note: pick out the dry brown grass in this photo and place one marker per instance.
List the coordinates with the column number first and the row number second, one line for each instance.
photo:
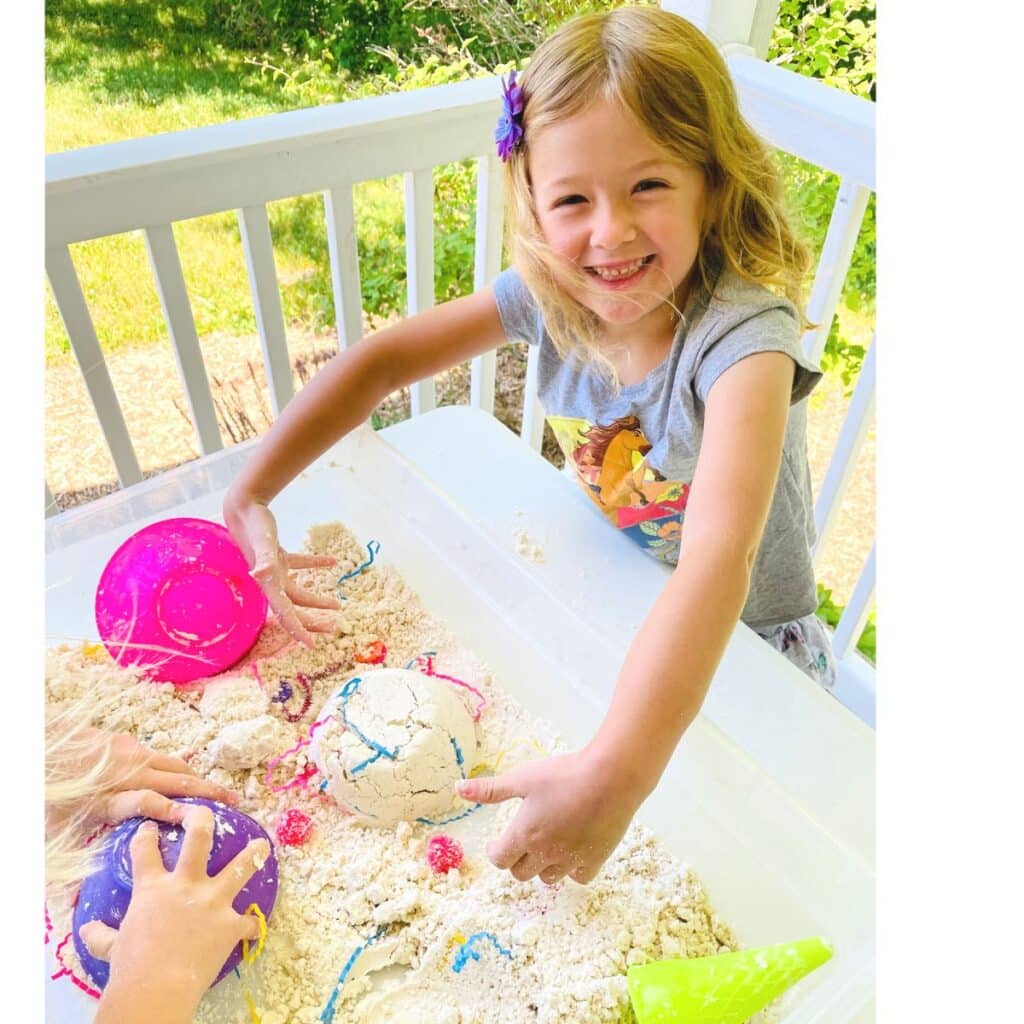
column 79, row 468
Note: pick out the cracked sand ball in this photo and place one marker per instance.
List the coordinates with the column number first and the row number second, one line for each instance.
column 393, row 745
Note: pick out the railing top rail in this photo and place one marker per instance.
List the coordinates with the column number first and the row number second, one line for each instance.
column 252, row 137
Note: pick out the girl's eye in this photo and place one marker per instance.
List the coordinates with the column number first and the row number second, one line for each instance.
column 569, row 200
column 648, row 184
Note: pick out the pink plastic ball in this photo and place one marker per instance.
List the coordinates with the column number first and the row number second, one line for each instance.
column 176, row 600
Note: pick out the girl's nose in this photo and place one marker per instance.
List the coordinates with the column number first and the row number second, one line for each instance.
column 612, row 228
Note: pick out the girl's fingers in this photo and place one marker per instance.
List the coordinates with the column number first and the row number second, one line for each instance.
column 584, row 874
column 145, row 852
column 297, row 561
column 99, row 938
column 287, row 615
column 249, row 927
column 179, row 784
column 141, row 803
column 553, row 873
column 195, row 850
column 166, row 763
column 307, row 599
column 529, row 865
column 319, row 620
column 243, row 866
column 506, row 850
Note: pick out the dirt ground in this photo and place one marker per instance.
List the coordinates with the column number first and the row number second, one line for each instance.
column 79, row 468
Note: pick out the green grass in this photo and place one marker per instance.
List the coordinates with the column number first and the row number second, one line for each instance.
column 118, row 70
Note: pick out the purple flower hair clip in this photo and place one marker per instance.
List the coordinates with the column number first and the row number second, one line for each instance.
column 509, row 132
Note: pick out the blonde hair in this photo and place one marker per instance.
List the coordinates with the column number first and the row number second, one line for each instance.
column 77, row 772
column 673, row 80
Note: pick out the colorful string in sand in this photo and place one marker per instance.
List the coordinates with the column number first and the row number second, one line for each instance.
column 467, row 953
column 327, row 1015
column 425, row 663
column 49, row 925
column 250, row 957
column 65, row 970
column 302, row 779
column 483, row 767
column 373, row 549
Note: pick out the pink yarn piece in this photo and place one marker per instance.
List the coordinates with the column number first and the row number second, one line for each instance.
column 302, row 779
column 49, row 925
column 255, row 666
column 65, row 970
column 458, row 682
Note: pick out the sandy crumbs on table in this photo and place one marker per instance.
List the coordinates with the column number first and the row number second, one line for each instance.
column 472, row 946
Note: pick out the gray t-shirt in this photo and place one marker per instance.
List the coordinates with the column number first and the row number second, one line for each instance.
column 635, row 450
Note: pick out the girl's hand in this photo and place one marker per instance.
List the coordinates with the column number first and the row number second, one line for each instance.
column 255, row 531
column 136, row 781
column 575, row 810
column 179, row 929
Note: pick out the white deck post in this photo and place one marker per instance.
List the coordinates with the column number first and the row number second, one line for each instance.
column 419, row 263
column 181, row 326
column 339, row 213
column 490, row 219
column 732, row 23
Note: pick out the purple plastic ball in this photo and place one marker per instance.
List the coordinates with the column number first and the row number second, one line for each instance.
column 105, row 895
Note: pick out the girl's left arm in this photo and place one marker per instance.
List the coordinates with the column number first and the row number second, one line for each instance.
column 576, row 808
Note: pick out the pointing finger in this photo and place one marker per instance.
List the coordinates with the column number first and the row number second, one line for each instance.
column 491, row 789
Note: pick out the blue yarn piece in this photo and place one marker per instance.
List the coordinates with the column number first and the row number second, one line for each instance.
column 327, row 1015
column 424, row 654
column 374, row 549
column 448, row 821
column 467, row 953
column 380, row 750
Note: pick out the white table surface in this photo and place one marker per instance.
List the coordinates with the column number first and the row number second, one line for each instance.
column 799, row 734
column 791, row 781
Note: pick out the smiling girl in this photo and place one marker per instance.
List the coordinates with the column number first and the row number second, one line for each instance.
column 654, row 268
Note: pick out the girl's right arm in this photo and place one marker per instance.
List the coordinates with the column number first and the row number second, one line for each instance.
column 340, row 397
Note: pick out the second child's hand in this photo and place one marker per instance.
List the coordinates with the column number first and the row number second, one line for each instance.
column 300, row 612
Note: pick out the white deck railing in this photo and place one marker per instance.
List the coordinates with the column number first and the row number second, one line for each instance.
column 147, row 184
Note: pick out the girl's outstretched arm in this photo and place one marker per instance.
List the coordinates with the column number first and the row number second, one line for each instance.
column 576, row 808
column 340, row 397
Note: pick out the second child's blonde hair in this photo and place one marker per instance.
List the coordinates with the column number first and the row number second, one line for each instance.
column 674, row 82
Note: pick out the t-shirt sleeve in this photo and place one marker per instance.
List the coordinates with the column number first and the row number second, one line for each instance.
column 772, row 330
column 519, row 312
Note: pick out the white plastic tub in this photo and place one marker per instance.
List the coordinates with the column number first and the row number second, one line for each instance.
column 775, row 871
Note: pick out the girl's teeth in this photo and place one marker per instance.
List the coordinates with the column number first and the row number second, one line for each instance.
column 612, row 275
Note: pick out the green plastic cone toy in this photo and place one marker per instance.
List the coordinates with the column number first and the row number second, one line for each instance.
column 725, row 989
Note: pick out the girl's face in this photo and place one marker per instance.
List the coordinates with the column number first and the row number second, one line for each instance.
column 612, row 201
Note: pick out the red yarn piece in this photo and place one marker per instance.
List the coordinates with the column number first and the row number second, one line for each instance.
column 443, row 853
column 293, row 828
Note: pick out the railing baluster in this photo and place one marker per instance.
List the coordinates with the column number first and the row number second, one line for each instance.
column 851, row 624
column 490, row 214
column 844, row 455
column 532, row 431
column 170, row 285
column 419, row 265
column 77, row 322
column 344, row 252
column 266, row 297
column 836, row 254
